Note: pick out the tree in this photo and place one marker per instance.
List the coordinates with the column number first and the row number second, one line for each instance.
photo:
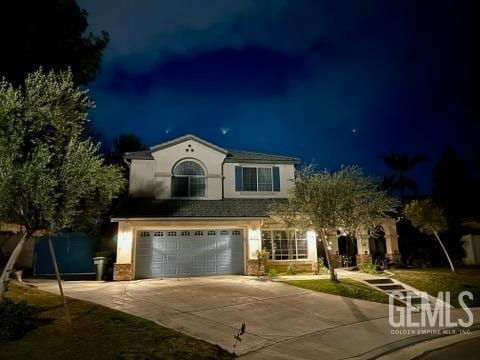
column 122, row 144
column 429, row 219
column 49, row 34
column 51, row 179
column 327, row 201
column 400, row 164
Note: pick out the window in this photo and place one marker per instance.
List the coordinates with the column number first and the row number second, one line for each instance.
column 172, row 233
column 144, row 233
column 185, row 233
column 284, row 244
column 235, row 232
column 264, row 179
column 158, row 233
column 257, row 179
column 249, row 179
column 188, row 180
column 211, row 232
column 198, row 233
column 223, row 232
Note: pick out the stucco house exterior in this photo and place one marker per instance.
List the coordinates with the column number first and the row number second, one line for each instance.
column 194, row 208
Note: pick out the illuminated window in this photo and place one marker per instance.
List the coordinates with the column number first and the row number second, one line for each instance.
column 284, row 244
column 211, row 232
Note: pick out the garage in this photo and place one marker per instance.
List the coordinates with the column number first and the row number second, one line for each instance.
column 171, row 253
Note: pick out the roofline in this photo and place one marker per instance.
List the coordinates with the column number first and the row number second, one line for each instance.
column 185, row 138
column 116, row 219
column 257, row 161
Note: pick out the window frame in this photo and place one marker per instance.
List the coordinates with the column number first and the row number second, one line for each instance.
column 297, row 237
column 189, row 183
column 257, row 168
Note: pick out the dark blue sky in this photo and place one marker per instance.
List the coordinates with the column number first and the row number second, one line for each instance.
column 337, row 82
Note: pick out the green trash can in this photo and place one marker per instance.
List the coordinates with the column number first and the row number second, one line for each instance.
column 101, row 263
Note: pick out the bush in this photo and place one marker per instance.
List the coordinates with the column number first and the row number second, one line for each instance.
column 16, row 318
column 368, row 267
column 262, row 258
column 272, row 272
column 291, row 269
column 319, row 266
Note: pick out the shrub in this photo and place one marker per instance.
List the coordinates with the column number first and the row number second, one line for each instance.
column 272, row 272
column 262, row 257
column 16, row 318
column 291, row 269
column 319, row 266
column 368, row 267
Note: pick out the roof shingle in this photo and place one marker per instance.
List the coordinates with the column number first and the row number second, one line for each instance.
column 131, row 208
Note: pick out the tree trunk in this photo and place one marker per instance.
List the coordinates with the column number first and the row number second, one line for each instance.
column 5, row 278
column 57, row 274
column 333, row 274
column 445, row 251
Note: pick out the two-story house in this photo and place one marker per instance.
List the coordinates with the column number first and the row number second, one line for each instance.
column 195, row 208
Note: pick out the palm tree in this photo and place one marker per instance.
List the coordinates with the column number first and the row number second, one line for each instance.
column 400, row 164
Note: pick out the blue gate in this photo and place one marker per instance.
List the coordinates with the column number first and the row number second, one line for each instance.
column 74, row 253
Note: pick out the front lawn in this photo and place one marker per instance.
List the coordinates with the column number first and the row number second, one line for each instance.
column 345, row 287
column 434, row 280
column 97, row 332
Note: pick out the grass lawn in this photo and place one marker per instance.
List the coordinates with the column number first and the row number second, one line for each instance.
column 97, row 332
column 345, row 287
column 433, row 280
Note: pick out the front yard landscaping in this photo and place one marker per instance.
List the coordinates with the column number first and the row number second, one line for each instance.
column 344, row 287
column 97, row 332
column 433, row 280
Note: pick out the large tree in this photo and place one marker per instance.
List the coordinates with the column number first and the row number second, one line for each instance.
column 429, row 219
column 49, row 34
column 325, row 201
column 51, row 179
column 122, row 144
column 400, row 165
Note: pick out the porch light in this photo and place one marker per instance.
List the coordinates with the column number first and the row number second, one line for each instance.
column 254, row 234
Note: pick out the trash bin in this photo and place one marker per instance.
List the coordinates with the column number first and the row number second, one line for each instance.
column 101, row 263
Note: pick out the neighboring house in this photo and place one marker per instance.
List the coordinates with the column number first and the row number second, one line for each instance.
column 195, row 208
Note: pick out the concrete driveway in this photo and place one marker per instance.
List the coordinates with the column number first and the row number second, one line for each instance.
column 282, row 321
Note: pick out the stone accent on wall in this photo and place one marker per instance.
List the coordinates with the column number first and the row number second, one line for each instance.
column 336, row 261
column 280, row 266
column 396, row 258
column 122, row 272
column 363, row 258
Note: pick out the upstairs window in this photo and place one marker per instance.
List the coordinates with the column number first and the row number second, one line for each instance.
column 257, row 179
column 188, row 180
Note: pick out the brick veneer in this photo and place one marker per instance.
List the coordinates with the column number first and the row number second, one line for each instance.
column 280, row 266
column 335, row 259
column 122, row 272
column 363, row 258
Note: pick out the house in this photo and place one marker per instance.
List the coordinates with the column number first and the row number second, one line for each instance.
column 195, row 208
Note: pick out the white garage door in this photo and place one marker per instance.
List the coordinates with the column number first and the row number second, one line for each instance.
column 163, row 253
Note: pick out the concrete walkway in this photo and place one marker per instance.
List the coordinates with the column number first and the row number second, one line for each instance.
column 282, row 321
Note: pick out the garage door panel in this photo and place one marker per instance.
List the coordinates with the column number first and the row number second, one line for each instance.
column 188, row 252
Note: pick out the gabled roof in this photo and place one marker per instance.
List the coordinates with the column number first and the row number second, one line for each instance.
column 147, row 208
column 232, row 156
column 185, row 138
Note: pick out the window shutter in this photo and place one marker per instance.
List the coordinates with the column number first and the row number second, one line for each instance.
column 238, row 178
column 276, row 178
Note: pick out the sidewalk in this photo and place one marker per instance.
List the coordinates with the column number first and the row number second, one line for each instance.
column 362, row 340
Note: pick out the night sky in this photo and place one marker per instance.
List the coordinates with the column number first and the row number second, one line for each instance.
column 337, row 82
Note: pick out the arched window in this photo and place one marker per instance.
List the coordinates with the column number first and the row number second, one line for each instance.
column 188, row 180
